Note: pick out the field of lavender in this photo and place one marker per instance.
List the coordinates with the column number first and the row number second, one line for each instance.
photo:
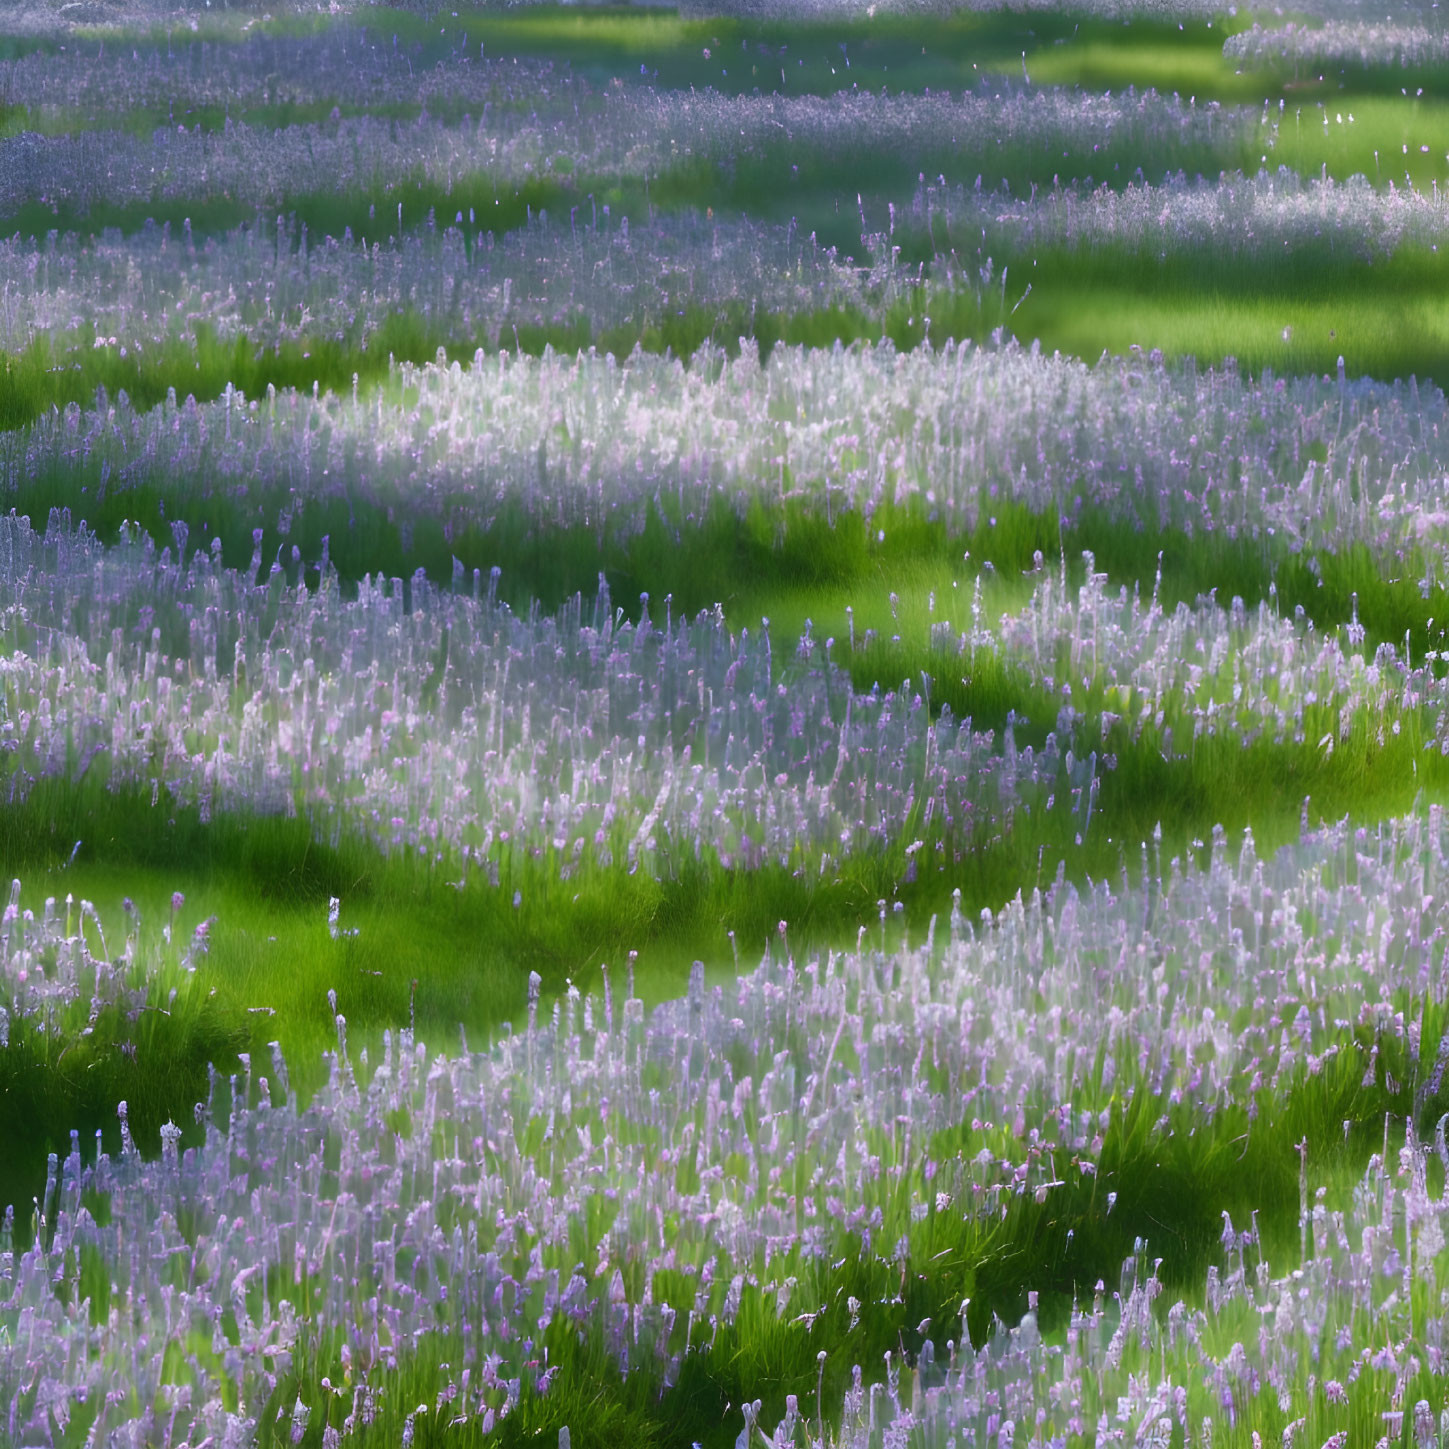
column 724, row 726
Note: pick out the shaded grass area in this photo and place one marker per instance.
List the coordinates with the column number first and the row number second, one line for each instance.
column 66, row 1072
column 1329, row 82
column 373, row 213
column 1315, row 269
column 13, row 120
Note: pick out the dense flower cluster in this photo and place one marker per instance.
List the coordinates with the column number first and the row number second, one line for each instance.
column 1314, row 462
column 258, row 166
column 433, row 718
column 623, row 133
column 1338, row 43
column 1216, row 669
column 1264, row 216
column 269, row 285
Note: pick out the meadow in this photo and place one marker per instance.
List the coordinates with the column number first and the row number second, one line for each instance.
column 723, row 726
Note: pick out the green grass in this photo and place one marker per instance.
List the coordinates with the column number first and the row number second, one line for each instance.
column 14, row 120
column 67, row 1072
column 666, row 50
column 39, row 378
column 1400, row 337
column 1164, row 55
column 1386, row 317
column 384, row 208
column 1398, row 138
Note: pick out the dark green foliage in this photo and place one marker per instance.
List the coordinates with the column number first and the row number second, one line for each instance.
column 66, row 1073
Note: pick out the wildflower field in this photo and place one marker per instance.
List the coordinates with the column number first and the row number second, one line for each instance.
column 724, row 726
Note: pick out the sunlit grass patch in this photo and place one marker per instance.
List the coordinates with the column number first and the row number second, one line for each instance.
column 1376, row 335
column 410, row 942
column 1190, row 63
column 1403, row 139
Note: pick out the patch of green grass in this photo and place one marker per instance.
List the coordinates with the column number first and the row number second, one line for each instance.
column 1330, row 83
column 1394, row 337
column 66, row 1072
column 1294, row 312
column 1384, row 138
column 1168, row 56
column 424, row 948
column 381, row 208
column 39, row 379
column 54, row 121
column 14, row 120
column 735, row 56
